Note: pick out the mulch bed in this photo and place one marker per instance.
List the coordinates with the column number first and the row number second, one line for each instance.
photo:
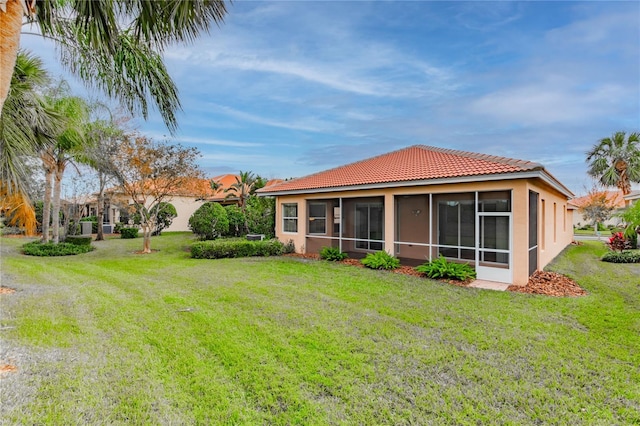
column 541, row 282
column 550, row 284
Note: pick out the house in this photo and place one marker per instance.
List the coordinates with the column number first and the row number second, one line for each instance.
column 632, row 197
column 186, row 201
column 614, row 199
column 219, row 195
column 505, row 217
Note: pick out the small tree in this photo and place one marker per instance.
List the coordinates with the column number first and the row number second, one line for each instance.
column 597, row 208
column 236, row 220
column 209, row 221
column 260, row 215
column 150, row 173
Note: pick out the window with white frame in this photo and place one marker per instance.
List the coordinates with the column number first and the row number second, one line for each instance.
column 317, row 218
column 290, row 217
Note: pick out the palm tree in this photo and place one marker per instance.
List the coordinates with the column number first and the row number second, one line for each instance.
column 242, row 189
column 112, row 45
column 25, row 122
column 66, row 146
column 615, row 161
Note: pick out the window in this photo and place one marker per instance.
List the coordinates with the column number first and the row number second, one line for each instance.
column 543, row 223
column 555, row 222
column 290, row 217
column 317, row 218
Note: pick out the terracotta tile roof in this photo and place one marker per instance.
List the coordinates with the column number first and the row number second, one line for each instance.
column 614, row 198
column 225, row 182
column 418, row 162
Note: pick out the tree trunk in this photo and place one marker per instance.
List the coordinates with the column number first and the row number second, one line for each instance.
column 146, row 243
column 10, row 26
column 100, row 211
column 46, row 208
column 55, row 211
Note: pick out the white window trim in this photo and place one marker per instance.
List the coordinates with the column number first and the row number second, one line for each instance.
column 289, row 218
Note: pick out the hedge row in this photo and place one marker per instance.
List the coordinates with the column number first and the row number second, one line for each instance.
column 37, row 248
column 622, row 257
column 129, row 232
column 219, row 249
column 79, row 240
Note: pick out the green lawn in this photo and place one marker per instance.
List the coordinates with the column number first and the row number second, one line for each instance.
column 113, row 337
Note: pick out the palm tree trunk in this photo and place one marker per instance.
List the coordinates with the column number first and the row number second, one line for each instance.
column 10, row 26
column 46, row 208
column 57, row 185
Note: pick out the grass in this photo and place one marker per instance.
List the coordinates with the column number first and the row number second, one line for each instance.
column 590, row 232
column 119, row 338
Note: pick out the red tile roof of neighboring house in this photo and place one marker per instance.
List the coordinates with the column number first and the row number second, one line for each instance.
column 224, row 182
column 615, row 198
column 415, row 163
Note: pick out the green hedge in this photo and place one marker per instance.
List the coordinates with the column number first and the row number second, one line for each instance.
column 37, row 248
column 219, row 249
column 622, row 257
column 79, row 240
column 129, row 233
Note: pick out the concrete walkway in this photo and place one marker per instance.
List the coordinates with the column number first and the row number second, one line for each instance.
column 489, row 285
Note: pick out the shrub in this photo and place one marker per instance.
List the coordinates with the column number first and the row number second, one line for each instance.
column 37, row 248
column 236, row 221
column 166, row 213
column 289, row 247
column 380, row 260
column 79, row 240
column 261, row 216
column 622, row 257
column 129, row 233
column 209, row 221
column 236, row 248
column 618, row 242
column 441, row 268
column 332, row 253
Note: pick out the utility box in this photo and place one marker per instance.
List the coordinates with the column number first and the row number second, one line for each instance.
column 107, row 228
column 86, row 227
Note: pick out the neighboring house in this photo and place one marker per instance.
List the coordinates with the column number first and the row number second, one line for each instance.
column 225, row 197
column 614, row 198
column 186, row 201
column 506, row 217
column 632, row 197
column 224, row 182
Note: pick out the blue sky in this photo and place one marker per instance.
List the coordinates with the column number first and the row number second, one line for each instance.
column 287, row 88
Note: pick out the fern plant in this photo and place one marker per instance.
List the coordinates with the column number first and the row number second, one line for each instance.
column 380, row 260
column 332, row 254
column 440, row 268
